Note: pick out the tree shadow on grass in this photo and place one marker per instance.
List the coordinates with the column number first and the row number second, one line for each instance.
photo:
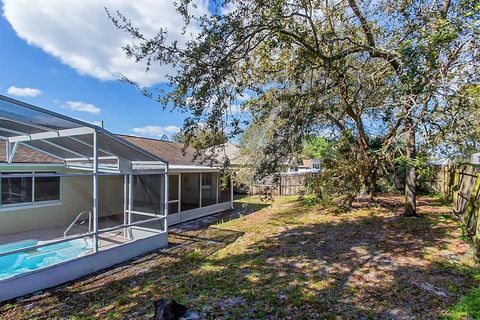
column 243, row 206
column 396, row 203
column 352, row 270
column 373, row 266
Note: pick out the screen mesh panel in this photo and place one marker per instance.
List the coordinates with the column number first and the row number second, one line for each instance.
column 18, row 118
column 53, row 150
column 74, row 145
column 16, row 128
column 27, row 114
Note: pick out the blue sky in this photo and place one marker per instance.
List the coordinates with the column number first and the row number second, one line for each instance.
column 48, row 46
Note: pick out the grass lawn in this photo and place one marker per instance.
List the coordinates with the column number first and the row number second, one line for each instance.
column 286, row 260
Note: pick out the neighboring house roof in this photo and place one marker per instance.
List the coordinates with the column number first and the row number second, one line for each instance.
column 310, row 162
column 173, row 152
column 228, row 151
column 27, row 155
column 234, row 154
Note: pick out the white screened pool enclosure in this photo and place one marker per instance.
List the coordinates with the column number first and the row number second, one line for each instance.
column 76, row 198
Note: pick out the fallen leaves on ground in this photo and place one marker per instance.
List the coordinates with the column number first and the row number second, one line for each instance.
column 284, row 260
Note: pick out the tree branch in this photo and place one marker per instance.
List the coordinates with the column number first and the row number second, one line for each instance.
column 373, row 50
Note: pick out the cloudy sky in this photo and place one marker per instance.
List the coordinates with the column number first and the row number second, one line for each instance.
column 65, row 55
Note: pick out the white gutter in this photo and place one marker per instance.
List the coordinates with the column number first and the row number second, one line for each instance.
column 192, row 168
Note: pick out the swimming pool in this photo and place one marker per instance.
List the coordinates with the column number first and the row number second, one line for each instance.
column 18, row 263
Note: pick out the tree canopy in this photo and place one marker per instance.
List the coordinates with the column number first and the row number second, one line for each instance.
column 379, row 73
column 201, row 139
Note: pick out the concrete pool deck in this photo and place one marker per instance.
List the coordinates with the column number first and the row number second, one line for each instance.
column 106, row 240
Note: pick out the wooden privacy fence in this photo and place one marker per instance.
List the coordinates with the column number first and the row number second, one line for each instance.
column 288, row 184
column 461, row 185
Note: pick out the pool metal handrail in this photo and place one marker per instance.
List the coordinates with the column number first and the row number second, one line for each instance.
column 81, row 236
column 45, row 244
column 133, row 224
column 76, row 220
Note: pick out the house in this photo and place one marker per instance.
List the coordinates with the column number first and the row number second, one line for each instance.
column 310, row 165
column 233, row 153
column 76, row 198
column 289, row 180
column 475, row 158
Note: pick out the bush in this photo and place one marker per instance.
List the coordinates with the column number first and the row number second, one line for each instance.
column 330, row 187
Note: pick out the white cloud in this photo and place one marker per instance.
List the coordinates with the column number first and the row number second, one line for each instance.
column 81, row 36
column 244, row 97
column 228, row 8
column 235, row 109
column 24, row 92
column 156, row 131
column 82, row 107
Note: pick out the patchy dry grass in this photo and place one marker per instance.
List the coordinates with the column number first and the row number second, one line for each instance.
column 286, row 260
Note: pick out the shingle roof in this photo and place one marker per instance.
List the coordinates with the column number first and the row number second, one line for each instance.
column 27, row 155
column 169, row 151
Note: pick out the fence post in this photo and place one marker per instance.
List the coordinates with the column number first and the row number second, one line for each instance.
column 455, row 189
column 280, row 186
column 468, row 217
column 445, row 181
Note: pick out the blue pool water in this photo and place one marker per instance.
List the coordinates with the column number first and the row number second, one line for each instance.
column 22, row 262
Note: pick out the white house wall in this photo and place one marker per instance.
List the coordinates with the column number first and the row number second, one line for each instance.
column 110, row 195
column 76, row 196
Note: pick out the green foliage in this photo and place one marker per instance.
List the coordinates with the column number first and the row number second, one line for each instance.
column 365, row 70
column 467, row 308
column 201, row 139
column 460, row 125
column 251, row 144
column 341, row 179
column 310, row 201
column 317, row 148
column 426, row 173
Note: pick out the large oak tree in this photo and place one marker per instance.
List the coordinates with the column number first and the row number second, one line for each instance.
column 366, row 69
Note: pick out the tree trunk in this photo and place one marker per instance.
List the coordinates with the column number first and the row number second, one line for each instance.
column 373, row 187
column 410, row 209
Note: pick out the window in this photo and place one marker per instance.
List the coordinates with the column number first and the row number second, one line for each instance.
column 29, row 190
column 47, row 188
column 16, row 190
